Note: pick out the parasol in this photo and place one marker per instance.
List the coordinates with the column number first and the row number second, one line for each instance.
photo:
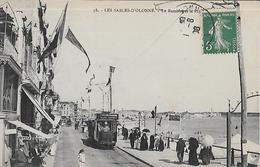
column 208, row 140
column 146, row 130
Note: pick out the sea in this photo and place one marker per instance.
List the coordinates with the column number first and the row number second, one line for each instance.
column 194, row 127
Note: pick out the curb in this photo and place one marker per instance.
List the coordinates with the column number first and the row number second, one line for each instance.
column 135, row 157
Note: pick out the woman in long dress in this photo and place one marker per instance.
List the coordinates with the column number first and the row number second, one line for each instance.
column 144, row 143
column 193, row 145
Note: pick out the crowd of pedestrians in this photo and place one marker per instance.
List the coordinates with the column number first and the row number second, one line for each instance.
column 205, row 152
column 139, row 140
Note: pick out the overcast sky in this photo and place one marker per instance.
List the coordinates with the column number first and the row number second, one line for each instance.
column 155, row 63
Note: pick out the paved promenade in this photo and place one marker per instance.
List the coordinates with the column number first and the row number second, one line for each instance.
column 167, row 158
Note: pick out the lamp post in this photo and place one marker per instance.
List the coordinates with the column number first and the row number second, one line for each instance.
column 230, row 111
column 139, row 120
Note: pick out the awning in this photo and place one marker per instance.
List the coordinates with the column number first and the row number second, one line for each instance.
column 30, row 129
column 38, row 106
column 57, row 119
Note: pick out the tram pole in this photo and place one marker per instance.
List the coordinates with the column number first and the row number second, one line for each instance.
column 242, row 88
column 229, row 136
column 110, row 90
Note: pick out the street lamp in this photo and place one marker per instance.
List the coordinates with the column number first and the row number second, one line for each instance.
column 232, row 110
column 139, row 120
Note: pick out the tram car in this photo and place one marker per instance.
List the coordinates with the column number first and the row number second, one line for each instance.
column 103, row 129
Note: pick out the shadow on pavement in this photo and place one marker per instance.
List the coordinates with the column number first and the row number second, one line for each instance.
column 93, row 144
column 169, row 161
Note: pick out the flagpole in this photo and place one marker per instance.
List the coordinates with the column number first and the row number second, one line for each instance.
column 155, row 114
column 5, row 36
column 180, row 125
column 110, row 89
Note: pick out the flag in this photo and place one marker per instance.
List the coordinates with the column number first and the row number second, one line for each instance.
column 111, row 69
column 82, row 99
column 108, row 82
column 56, row 39
column 90, row 81
column 41, row 11
column 159, row 123
column 71, row 37
column 88, row 90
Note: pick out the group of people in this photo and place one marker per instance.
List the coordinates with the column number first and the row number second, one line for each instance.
column 30, row 153
column 139, row 141
column 205, row 153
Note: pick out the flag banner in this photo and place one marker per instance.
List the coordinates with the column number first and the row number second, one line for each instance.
column 82, row 99
column 88, row 90
column 174, row 117
column 71, row 37
column 57, row 36
column 91, row 79
column 112, row 69
column 219, row 33
column 160, row 121
column 108, row 82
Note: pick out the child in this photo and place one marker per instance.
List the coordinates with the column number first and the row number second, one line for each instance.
column 81, row 158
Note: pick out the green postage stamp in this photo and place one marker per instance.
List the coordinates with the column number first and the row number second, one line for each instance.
column 219, row 33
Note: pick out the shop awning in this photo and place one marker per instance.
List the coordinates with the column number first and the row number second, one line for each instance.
column 30, row 129
column 38, row 106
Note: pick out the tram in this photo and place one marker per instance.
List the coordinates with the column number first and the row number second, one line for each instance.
column 103, row 128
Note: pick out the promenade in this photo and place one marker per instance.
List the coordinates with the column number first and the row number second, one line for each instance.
column 167, row 158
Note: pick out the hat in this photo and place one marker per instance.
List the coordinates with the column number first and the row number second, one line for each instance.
column 182, row 136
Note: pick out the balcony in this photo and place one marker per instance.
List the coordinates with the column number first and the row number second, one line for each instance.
column 31, row 79
column 7, row 48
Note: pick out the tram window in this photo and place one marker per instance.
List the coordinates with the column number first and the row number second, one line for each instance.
column 104, row 126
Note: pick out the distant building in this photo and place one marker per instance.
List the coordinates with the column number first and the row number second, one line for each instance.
column 68, row 109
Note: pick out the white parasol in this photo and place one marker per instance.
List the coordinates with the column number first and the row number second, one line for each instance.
column 208, row 140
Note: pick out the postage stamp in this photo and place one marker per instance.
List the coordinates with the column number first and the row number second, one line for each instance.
column 220, row 37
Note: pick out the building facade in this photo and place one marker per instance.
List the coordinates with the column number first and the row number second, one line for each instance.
column 68, row 109
column 27, row 96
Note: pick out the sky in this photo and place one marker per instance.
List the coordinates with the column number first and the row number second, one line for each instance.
column 155, row 64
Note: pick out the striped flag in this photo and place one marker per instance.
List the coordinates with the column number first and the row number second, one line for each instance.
column 56, row 39
column 71, row 37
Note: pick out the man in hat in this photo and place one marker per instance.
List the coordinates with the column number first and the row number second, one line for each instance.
column 180, row 149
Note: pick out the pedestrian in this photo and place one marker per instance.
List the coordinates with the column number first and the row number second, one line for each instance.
column 180, row 149
column 21, row 157
column 161, row 144
column 144, row 143
column 37, row 161
column 126, row 133
column 81, row 158
column 123, row 132
column 206, row 155
column 193, row 145
column 132, row 138
column 76, row 125
column 156, row 142
column 151, row 146
column 137, row 143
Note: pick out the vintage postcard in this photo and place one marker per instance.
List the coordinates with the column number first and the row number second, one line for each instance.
column 129, row 83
